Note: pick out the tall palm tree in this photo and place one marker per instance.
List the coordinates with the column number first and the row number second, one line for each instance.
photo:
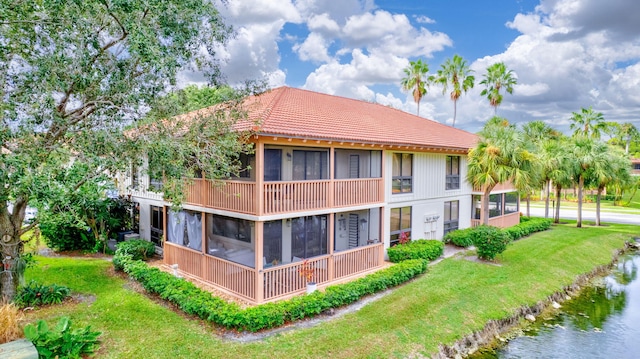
column 588, row 154
column 588, row 123
column 415, row 80
column 455, row 72
column 612, row 167
column 496, row 79
column 499, row 156
column 562, row 175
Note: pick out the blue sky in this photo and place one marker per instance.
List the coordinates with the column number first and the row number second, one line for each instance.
column 567, row 54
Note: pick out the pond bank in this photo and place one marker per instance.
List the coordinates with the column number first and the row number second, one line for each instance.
column 496, row 330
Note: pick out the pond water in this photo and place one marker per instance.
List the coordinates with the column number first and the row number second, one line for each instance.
column 603, row 322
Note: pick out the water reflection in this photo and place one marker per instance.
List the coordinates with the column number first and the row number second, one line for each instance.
column 603, row 322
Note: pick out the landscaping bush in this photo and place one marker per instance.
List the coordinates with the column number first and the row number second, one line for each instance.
column 10, row 318
column 194, row 301
column 61, row 232
column 527, row 226
column 418, row 249
column 460, row 237
column 35, row 294
column 61, row 342
column 490, row 241
column 138, row 249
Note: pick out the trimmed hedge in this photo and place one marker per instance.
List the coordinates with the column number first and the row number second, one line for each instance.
column 194, row 301
column 527, row 226
column 418, row 249
column 460, row 237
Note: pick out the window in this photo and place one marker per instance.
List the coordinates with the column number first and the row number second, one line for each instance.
column 185, row 228
column 272, row 243
column 495, row 205
column 451, row 213
column 135, row 176
column 310, row 165
column 476, row 202
column 155, row 173
column 400, row 222
column 228, row 227
column 309, row 236
column 272, row 164
column 246, row 167
column 636, row 166
column 453, row 172
column 511, row 202
column 157, row 224
column 402, row 170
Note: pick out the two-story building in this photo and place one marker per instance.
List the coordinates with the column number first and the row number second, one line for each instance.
column 333, row 180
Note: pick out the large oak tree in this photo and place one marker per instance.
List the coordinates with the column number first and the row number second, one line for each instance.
column 73, row 74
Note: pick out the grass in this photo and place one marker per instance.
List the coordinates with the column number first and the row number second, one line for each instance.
column 605, row 206
column 455, row 298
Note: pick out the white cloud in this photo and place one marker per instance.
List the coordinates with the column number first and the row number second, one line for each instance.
column 425, row 20
column 314, row 48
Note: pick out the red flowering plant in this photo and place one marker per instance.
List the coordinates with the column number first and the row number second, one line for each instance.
column 404, row 238
column 306, row 271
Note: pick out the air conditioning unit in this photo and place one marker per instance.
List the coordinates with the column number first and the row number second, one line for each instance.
column 130, row 236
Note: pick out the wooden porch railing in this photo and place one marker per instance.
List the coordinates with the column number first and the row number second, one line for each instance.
column 508, row 220
column 295, row 196
column 188, row 260
column 284, row 279
column 349, row 192
column 356, row 260
column 233, row 277
column 237, row 196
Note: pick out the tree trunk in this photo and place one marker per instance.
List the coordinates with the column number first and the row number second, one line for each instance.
column 556, row 218
column 598, row 205
column 418, row 111
column 546, row 198
column 485, row 205
column 454, row 113
column 528, row 204
column 10, row 248
column 580, row 187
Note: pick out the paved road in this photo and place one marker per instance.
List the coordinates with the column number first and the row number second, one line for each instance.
column 571, row 213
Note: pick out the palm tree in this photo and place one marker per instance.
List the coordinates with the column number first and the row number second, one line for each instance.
column 496, row 79
column 625, row 133
column 415, row 82
column 588, row 154
column 500, row 156
column 542, row 140
column 455, row 72
column 610, row 168
column 588, row 123
column 562, row 174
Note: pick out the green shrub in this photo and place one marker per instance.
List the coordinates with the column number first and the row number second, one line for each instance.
column 194, row 301
column 418, row 249
column 490, row 241
column 460, row 237
column 527, row 226
column 138, row 249
column 35, row 294
column 61, row 342
column 61, row 232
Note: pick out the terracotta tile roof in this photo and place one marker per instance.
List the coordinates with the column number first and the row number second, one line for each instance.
column 297, row 113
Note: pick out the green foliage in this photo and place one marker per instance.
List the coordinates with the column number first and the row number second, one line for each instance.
column 62, row 233
column 418, row 249
column 35, row 294
column 490, row 241
column 136, row 249
column 460, row 237
column 189, row 99
column 194, row 301
column 61, row 342
column 527, row 226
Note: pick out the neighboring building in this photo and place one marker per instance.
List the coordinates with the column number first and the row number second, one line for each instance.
column 635, row 166
column 333, row 180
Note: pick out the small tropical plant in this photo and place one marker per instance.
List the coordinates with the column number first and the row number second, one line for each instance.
column 403, row 238
column 35, row 294
column 306, row 271
column 62, row 342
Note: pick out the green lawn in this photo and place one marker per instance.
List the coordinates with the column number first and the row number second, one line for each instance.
column 605, row 206
column 455, row 298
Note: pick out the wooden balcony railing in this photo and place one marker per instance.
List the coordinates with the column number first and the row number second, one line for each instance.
column 295, row 196
column 350, row 192
column 284, row 196
column 357, row 260
column 237, row 196
column 188, row 260
column 233, row 277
